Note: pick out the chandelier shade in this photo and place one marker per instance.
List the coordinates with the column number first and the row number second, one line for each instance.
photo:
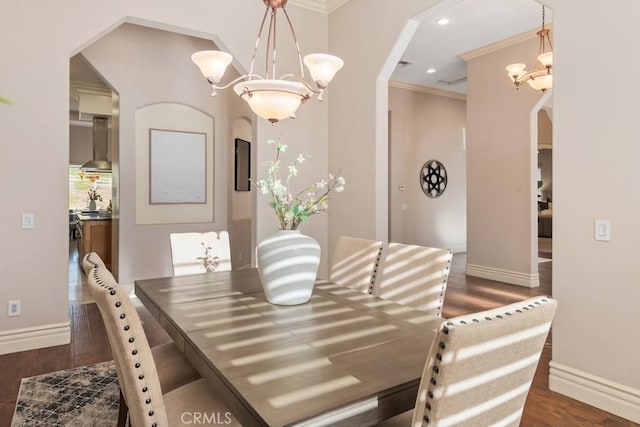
column 212, row 64
column 270, row 97
column 541, row 78
column 273, row 100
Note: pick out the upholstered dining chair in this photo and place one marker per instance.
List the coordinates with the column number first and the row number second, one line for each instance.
column 415, row 276
column 355, row 263
column 174, row 370
column 193, row 253
column 480, row 367
column 149, row 404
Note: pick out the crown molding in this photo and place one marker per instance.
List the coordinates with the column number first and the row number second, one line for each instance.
column 518, row 38
column 321, row 6
column 429, row 90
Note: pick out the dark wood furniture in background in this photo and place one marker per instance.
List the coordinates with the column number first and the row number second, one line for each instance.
column 95, row 236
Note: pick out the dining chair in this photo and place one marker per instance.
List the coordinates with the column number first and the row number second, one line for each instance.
column 355, row 262
column 148, row 402
column 415, row 276
column 480, row 367
column 174, row 370
column 193, row 253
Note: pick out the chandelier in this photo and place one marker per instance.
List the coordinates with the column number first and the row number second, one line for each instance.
column 270, row 97
column 541, row 78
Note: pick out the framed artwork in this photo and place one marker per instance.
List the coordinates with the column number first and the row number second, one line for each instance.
column 242, row 165
column 177, row 167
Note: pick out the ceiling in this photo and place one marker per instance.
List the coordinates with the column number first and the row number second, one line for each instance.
column 472, row 24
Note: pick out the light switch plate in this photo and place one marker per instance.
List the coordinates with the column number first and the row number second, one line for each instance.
column 28, row 220
column 602, row 230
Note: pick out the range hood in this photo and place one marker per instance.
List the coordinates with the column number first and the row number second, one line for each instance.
column 100, row 141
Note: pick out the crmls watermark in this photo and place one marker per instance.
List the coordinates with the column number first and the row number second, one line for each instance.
column 206, row 418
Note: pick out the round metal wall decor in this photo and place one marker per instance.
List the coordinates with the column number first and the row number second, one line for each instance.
column 433, row 178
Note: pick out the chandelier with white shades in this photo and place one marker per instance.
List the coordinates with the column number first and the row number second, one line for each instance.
column 541, row 78
column 270, row 97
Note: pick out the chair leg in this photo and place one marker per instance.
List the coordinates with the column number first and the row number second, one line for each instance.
column 123, row 413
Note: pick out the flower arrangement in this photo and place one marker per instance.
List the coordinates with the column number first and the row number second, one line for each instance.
column 292, row 210
column 93, row 195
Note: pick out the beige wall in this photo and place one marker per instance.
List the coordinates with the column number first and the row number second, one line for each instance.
column 44, row 137
column 595, row 336
column 595, row 329
column 424, row 127
column 501, row 168
column 143, row 83
column 596, row 131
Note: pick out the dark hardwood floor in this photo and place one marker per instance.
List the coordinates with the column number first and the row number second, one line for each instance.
column 464, row 295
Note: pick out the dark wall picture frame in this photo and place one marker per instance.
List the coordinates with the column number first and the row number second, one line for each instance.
column 242, row 165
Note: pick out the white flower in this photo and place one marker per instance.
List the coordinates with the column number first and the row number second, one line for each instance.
column 292, row 210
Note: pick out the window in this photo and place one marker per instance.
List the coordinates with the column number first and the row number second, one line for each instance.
column 80, row 184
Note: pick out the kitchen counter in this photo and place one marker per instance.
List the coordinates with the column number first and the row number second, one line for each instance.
column 93, row 215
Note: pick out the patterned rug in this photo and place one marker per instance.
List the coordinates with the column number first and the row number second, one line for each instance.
column 84, row 396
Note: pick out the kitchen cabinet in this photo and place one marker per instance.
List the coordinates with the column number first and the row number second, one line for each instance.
column 95, row 237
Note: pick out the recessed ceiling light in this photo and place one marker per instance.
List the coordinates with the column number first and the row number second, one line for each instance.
column 431, row 70
column 442, row 21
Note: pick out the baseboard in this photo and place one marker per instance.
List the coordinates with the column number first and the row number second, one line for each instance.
column 50, row 335
column 604, row 394
column 506, row 276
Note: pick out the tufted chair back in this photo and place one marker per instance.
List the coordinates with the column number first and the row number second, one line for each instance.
column 355, row 263
column 415, row 276
column 481, row 366
column 132, row 354
column 90, row 261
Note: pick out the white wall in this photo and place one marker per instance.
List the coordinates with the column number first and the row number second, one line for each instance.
column 423, row 127
column 43, row 138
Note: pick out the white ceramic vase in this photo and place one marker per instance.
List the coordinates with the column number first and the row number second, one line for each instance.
column 288, row 265
column 92, row 205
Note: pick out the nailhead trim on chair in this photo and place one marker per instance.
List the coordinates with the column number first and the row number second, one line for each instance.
column 375, row 268
column 442, row 346
column 131, row 340
column 445, row 277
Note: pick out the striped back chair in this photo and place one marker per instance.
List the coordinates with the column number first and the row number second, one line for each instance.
column 415, row 276
column 481, row 366
column 355, row 263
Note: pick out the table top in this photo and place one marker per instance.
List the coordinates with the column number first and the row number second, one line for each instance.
column 341, row 358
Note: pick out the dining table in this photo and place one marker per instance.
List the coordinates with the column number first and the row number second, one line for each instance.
column 343, row 358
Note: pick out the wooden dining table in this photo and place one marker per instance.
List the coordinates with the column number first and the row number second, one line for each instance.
column 343, row 358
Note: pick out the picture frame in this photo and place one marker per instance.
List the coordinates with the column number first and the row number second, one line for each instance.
column 242, row 165
column 177, row 167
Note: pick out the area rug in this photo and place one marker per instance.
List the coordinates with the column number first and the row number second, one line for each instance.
column 84, row 396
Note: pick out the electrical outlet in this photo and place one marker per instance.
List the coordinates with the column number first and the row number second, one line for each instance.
column 14, row 308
